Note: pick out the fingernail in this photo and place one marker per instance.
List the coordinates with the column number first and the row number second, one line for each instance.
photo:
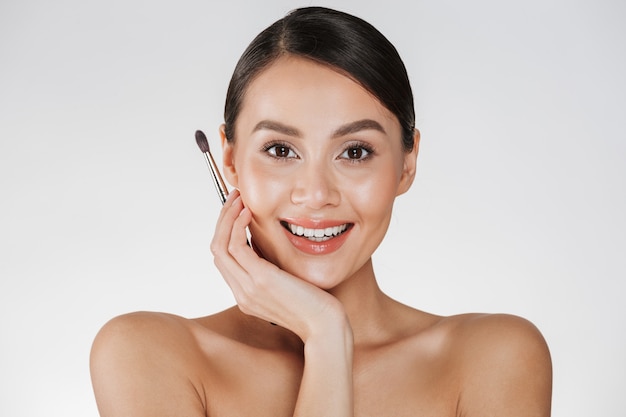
column 231, row 196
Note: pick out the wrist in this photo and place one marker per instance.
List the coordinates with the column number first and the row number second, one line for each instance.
column 330, row 336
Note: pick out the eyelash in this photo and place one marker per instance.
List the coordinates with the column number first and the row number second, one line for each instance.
column 358, row 145
column 274, row 144
column 268, row 147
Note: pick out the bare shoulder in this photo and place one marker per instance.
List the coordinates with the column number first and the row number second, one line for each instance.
column 143, row 364
column 496, row 331
column 504, row 366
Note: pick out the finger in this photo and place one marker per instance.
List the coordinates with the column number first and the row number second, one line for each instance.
column 229, row 247
column 232, row 272
column 251, row 275
column 228, row 203
column 239, row 236
column 221, row 237
column 248, row 257
column 241, row 252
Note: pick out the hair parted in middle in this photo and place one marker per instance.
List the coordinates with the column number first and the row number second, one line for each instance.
column 338, row 40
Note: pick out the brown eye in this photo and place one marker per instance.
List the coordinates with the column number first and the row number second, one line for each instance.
column 280, row 151
column 356, row 153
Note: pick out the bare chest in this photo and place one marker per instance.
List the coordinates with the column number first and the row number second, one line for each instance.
column 385, row 384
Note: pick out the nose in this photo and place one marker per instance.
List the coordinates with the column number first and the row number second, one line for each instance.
column 315, row 187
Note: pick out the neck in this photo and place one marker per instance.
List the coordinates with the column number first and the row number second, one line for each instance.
column 374, row 317
column 368, row 308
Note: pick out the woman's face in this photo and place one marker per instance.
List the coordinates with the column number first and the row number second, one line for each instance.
column 318, row 161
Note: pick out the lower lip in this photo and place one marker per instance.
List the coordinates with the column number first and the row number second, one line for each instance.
column 317, row 248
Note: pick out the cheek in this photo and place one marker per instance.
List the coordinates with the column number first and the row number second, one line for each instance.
column 375, row 191
column 373, row 201
column 260, row 189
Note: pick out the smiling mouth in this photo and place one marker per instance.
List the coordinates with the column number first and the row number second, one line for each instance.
column 316, row 235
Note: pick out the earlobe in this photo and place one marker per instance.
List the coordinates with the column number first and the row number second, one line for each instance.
column 228, row 161
column 410, row 165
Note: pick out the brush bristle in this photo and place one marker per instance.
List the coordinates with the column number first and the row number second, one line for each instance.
column 202, row 141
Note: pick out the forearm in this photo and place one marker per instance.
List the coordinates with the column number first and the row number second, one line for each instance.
column 326, row 388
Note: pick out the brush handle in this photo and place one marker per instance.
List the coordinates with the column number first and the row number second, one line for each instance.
column 220, row 186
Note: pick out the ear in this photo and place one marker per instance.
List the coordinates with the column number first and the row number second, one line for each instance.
column 228, row 161
column 410, row 165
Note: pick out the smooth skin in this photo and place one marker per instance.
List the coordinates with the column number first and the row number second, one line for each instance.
column 312, row 147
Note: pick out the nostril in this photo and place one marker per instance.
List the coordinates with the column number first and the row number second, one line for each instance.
column 315, row 190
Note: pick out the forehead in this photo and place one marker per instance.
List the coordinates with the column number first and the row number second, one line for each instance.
column 311, row 96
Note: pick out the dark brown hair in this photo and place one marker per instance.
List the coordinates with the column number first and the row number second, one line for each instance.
column 333, row 38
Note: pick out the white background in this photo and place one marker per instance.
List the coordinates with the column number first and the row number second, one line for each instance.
column 106, row 205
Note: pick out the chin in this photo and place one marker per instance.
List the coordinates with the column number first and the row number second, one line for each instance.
column 323, row 282
column 322, row 273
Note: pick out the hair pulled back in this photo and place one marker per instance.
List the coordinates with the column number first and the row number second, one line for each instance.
column 333, row 38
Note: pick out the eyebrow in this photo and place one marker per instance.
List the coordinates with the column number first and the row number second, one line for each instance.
column 359, row 125
column 277, row 127
column 347, row 129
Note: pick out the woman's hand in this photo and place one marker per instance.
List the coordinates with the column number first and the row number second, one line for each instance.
column 261, row 288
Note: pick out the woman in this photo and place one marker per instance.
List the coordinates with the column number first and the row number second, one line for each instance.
column 319, row 139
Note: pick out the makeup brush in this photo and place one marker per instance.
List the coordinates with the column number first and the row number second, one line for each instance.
column 220, row 186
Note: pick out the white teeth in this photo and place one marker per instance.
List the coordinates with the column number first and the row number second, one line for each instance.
column 317, row 235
